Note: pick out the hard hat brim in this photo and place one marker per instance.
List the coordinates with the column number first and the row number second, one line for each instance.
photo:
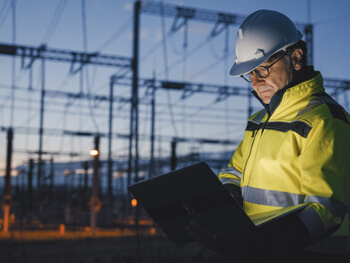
column 241, row 68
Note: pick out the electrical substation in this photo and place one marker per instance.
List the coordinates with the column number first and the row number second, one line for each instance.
column 158, row 108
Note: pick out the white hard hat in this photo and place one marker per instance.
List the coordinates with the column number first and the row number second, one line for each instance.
column 262, row 34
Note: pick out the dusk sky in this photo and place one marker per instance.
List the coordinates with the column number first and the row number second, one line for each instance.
column 105, row 26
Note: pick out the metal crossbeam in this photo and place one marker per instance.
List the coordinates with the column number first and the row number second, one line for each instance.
column 207, row 141
column 50, row 153
column 336, row 83
column 223, row 91
column 145, row 137
column 203, row 15
column 205, row 88
column 71, row 95
column 189, row 88
column 159, row 8
column 63, row 55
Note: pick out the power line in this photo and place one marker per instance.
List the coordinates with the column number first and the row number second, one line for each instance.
column 211, row 47
column 4, row 11
column 116, row 34
column 193, row 51
column 29, row 111
column 204, row 70
column 64, row 126
column 166, row 70
column 159, row 44
column 83, row 11
column 54, row 21
column 13, row 62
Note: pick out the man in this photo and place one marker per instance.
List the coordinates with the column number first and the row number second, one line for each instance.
column 296, row 150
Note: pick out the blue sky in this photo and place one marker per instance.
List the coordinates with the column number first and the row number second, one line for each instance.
column 108, row 30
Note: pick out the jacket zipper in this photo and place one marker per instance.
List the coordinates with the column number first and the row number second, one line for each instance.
column 250, row 151
column 251, row 146
column 264, row 125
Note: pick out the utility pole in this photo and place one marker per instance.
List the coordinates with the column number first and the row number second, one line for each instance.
column 110, row 162
column 6, row 204
column 51, row 180
column 134, row 98
column 86, row 168
column 95, row 203
column 30, row 189
column 153, row 105
column 41, row 123
column 173, row 159
column 310, row 44
column 134, row 118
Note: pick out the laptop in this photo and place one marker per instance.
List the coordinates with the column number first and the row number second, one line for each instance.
column 195, row 193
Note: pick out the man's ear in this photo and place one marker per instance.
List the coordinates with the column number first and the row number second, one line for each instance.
column 297, row 57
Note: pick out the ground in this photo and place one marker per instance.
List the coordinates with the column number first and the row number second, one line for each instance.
column 102, row 249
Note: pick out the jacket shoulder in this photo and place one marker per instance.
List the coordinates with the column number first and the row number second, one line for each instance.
column 323, row 106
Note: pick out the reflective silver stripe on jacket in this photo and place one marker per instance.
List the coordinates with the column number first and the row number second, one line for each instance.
column 270, row 197
column 285, row 199
column 231, row 170
column 336, row 207
column 313, row 103
column 230, row 181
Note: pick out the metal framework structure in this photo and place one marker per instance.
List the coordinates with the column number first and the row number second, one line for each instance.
column 77, row 59
column 337, row 84
column 220, row 20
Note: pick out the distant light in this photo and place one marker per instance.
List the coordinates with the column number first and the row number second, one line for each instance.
column 134, row 202
column 15, row 173
column 152, row 231
column 93, row 152
column 82, row 171
column 68, row 172
column 117, row 174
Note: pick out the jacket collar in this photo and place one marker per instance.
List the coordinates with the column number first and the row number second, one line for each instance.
column 307, row 73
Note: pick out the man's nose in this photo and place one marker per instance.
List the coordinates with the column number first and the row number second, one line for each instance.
column 256, row 80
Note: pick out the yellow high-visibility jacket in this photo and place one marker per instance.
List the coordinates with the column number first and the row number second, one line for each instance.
column 297, row 151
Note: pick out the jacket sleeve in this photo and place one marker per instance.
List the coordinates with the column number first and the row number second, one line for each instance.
column 233, row 174
column 324, row 169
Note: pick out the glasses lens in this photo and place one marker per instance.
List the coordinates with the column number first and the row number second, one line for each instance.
column 247, row 77
column 262, row 72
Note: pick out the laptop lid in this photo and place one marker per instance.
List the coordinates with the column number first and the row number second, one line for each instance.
column 190, row 193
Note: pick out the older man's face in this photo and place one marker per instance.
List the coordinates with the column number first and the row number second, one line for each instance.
column 281, row 74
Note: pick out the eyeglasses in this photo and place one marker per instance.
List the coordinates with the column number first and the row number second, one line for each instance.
column 262, row 71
